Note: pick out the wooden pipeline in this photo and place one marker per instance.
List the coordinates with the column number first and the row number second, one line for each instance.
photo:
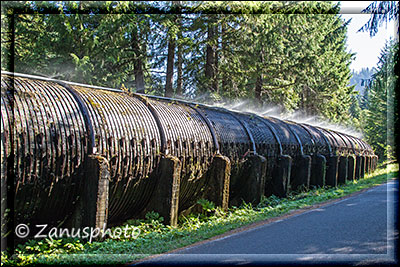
column 87, row 155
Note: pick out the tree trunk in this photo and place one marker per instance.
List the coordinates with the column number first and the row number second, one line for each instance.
column 224, row 82
column 179, row 81
column 169, row 81
column 215, row 77
column 209, row 68
column 169, row 90
column 259, row 82
column 257, row 93
column 138, row 64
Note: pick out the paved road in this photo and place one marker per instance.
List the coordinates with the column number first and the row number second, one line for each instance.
column 358, row 229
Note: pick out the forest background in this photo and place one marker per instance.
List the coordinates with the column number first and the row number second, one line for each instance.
column 285, row 56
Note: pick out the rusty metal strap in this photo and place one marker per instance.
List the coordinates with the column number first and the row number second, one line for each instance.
column 355, row 140
column 183, row 102
column 85, row 113
column 295, row 135
column 341, row 137
column 297, row 138
column 158, row 121
column 324, row 137
column 328, row 132
column 352, row 145
column 210, row 127
column 274, row 133
column 246, row 128
column 308, row 131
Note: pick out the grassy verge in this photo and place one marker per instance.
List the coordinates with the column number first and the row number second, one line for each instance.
column 155, row 237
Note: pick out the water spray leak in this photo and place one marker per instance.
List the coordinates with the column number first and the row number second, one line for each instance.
column 278, row 112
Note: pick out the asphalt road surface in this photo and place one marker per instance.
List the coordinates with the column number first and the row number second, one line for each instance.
column 361, row 229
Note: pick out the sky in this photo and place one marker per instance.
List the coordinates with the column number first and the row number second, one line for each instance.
column 367, row 48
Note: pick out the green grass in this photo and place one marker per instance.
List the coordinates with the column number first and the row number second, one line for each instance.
column 155, row 237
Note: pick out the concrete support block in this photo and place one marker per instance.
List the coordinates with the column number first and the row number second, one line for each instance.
column 343, row 170
column 375, row 161
column 358, row 167
column 92, row 206
column 351, row 167
column 332, row 171
column 362, row 167
column 220, row 173
column 281, row 176
column 318, row 170
column 271, row 163
column 165, row 198
column 254, row 185
column 371, row 163
column 301, row 171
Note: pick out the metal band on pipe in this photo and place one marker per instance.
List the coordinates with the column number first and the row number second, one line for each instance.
column 274, row 133
column 295, row 135
column 85, row 112
column 333, row 137
column 41, row 78
column 210, row 127
column 341, row 137
column 305, row 129
column 158, row 122
column 324, row 137
column 245, row 126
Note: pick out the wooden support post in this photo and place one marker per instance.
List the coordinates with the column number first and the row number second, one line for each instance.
column 165, row 198
column 220, row 173
column 332, row 171
column 318, row 170
column 92, row 206
column 300, row 176
column 253, row 187
column 281, row 176
column 351, row 167
column 342, row 170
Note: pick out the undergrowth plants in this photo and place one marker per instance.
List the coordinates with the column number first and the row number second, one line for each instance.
column 155, row 237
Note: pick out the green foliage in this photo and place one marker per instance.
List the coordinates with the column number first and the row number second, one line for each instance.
column 304, row 66
column 290, row 54
column 382, row 12
column 381, row 113
column 153, row 216
column 207, row 206
column 41, row 250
